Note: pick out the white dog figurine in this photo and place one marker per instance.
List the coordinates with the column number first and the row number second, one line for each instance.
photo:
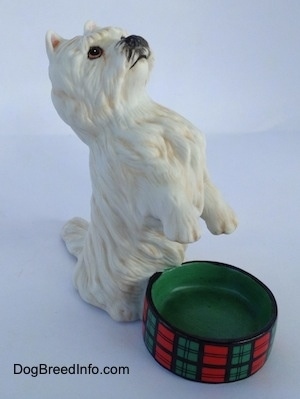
column 149, row 178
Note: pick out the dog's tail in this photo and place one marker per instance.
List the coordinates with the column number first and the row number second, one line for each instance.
column 73, row 234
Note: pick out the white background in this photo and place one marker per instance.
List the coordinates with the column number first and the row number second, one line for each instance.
column 232, row 68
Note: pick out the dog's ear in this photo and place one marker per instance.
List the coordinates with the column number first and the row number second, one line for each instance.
column 53, row 40
column 89, row 27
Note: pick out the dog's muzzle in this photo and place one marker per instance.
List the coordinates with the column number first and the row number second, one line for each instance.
column 136, row 48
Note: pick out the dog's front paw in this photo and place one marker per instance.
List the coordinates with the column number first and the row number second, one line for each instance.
column 222, row 222
column 182, row 227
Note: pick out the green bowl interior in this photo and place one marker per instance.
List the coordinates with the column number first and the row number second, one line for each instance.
column 213, row 301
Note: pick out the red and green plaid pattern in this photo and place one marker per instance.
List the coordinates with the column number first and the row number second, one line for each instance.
column 195, row 360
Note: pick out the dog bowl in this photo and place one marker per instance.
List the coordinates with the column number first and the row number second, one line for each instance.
column 209, row 322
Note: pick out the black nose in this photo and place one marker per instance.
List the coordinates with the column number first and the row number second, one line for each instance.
column 134, row 41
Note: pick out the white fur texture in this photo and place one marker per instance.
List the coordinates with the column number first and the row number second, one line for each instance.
column 148, row 171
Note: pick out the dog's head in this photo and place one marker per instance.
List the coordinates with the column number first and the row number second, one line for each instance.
column 100, row 72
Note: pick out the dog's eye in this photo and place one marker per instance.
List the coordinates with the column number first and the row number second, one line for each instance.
column 94, row 52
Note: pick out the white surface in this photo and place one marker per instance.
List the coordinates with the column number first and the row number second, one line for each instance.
column 234, row 69
column 43, row 320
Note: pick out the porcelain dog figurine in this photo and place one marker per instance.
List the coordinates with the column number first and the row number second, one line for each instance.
column 147, row 163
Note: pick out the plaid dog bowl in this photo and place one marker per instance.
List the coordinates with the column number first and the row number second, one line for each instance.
column 209, row 322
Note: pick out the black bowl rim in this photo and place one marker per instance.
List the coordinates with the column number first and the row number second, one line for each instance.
column 229, row 341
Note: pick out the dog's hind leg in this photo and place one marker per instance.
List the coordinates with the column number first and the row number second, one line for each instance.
column 73, row 233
